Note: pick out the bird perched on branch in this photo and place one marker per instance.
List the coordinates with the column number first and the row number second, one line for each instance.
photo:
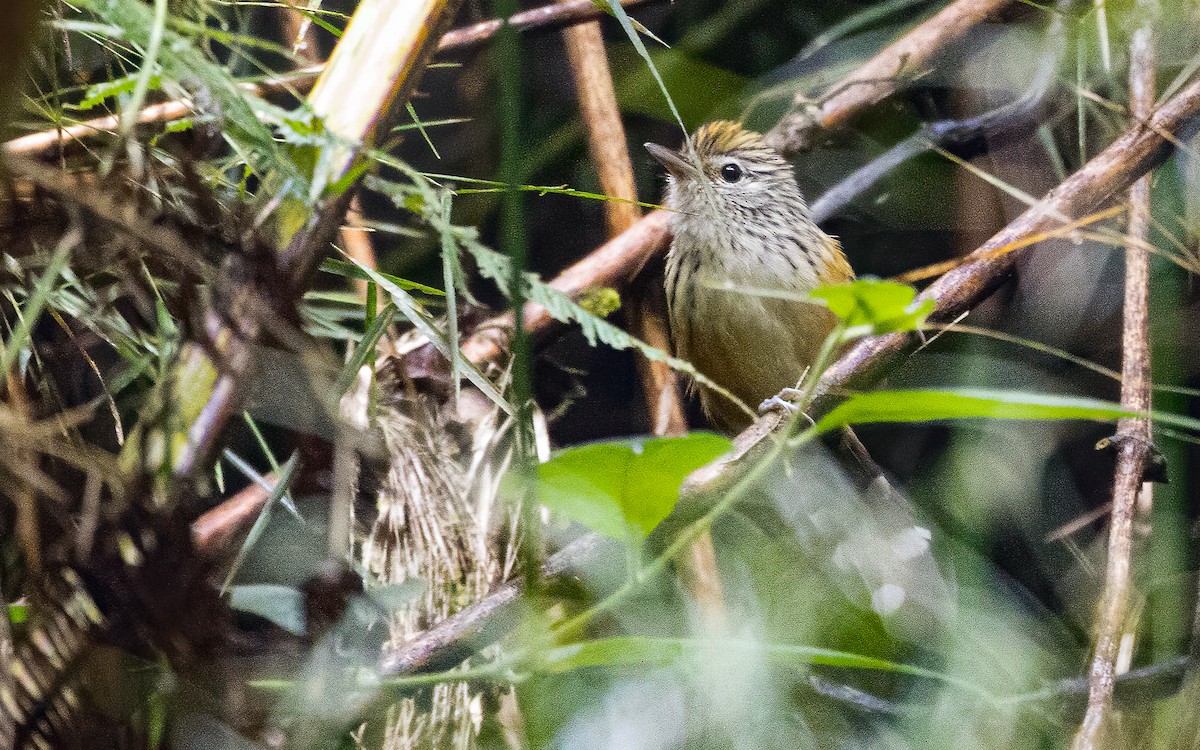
column 744, row 256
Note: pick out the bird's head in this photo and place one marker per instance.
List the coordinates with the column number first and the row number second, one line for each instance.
column 728, row 169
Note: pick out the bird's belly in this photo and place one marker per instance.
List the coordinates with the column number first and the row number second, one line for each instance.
column 752, row 346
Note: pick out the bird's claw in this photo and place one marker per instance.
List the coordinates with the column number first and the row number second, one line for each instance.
column 782, row 401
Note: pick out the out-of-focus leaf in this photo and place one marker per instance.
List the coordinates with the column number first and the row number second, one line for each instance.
column 928, row 405
column 871, row 306
column 600, row 301
column 282, row 605
column 623, row 487
column 18, row 613
column 647, row 651
column 697, row 87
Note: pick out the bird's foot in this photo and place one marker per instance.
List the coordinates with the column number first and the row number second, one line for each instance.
column 785, row 400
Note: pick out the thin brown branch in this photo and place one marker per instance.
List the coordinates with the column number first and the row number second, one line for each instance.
column 218, row 532
column 602, row 119
column 890, row 70
column 548, row 16
column 1133, row 438
column 1143, row 147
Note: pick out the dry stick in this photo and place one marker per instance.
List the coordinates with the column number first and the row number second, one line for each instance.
column 1146, row 145
column 573, row 11
column 300, row 33
column 881, row 76
column 1133, row 438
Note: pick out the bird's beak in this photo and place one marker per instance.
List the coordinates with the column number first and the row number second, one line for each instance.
column 675, row 163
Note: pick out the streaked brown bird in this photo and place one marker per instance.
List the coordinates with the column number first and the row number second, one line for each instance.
column 745, row 253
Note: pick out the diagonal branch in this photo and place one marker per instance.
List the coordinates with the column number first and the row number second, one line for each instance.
column 396, row 41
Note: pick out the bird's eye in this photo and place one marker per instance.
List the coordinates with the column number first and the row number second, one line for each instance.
column 731, row 173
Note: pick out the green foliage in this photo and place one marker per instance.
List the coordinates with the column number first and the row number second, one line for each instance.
column 869, row 306
column 134, row 22
column 924, row 406
column 624, row 489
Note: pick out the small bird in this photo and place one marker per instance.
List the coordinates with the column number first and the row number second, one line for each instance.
column 741, row 228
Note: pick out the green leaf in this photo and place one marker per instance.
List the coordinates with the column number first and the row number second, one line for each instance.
column 870, row 306
column 98, row 92
column 624, row 487
column 282, row 605
column 927, row 405
column 181, row 61
column 351, row 271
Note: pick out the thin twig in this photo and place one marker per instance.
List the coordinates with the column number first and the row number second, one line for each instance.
column 1133, row 438
column 883, row 75
column 548, row 16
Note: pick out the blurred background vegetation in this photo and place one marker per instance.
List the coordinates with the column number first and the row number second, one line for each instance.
column 994, row 531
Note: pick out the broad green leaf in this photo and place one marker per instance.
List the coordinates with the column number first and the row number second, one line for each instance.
column 625, row 487
column 928, row 405
column 702, row 91
column 875, row 304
